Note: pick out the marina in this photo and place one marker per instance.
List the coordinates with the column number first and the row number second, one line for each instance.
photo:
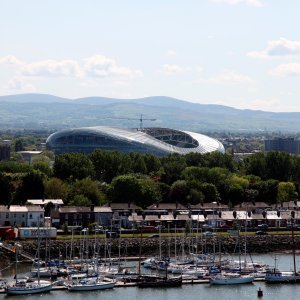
column 192, row 286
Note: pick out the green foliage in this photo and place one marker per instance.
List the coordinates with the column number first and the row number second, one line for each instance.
column 179, row 191
column 72, row 166
column 172, row 165
column 80, row 200
column 142, row 191
column 286, row 192
column 14, row 167
column 19, row 146
column 43, row 167
column 85, row 191
column 55, row 188
column 32, row 187
column 5, row 190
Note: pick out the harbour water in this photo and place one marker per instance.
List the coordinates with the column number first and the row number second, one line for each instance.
column 190, row 291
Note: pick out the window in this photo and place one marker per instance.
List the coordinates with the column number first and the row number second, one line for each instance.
column 7, row 215
column 30, row 216
column 41, row 216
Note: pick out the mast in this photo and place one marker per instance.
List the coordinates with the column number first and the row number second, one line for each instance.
column 293, row 242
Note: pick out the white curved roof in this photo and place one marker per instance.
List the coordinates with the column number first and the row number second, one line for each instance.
column 148, row 138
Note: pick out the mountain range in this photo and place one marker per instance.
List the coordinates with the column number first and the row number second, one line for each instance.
column 42, row 111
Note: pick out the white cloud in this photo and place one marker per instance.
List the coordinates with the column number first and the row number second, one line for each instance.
column 102, row 66
column 17, row 84
column 174, row 69
column 230, row 78
column 277, row 48
column 286, row 70
column 10, row 60
column 52, row 68
column 98, row 66
column 254, row 3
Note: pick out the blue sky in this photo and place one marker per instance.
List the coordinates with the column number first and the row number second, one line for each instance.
column 240, row 53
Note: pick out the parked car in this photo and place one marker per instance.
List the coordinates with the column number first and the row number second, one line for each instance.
column 160, row 227
column 207, row 226
column 209, row 233
column 263, row 226
column 112, row 234
column 261, row 232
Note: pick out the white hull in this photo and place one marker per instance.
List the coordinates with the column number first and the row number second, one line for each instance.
column 226, row 280
column 29, row 289
column 91, row 286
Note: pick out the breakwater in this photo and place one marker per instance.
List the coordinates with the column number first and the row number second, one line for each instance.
column 64, row 248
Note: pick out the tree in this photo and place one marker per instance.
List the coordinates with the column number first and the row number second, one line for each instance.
column 124, row 188
column 80, row 200
column 256, row 164
column 85, row 190
column 195, row 197
column 55, row 188
column 32, row 187
column 172, row 165
column 138, row 164
column 286, row 192
column 5, row 190
column 73, row 166
column 179, row 191
column 19, row 145
column 210, row 193
column 43, row 167
column 109, row 164
column 279, row 166
column 140, row 190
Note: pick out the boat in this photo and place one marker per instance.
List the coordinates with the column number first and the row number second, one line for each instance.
column 155, row 281
column 274, row 275
column 25, row 287
column 231, row 278
column 90, row 285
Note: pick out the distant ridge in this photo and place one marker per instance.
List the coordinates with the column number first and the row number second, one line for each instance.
column 52, row 112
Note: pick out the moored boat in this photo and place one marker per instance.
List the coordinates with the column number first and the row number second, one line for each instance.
column 147, row 282
column 231, row 278
column 90, row 285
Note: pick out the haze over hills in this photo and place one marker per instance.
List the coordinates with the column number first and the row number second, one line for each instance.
column 42, row 111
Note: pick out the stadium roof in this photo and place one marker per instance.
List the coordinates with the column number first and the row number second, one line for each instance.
column 159, row 141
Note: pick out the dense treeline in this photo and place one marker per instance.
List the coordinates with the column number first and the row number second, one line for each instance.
column 110, row 176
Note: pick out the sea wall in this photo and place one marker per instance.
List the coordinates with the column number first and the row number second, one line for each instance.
column 152, row 246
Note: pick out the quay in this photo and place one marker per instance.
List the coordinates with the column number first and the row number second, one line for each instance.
column 133, row 284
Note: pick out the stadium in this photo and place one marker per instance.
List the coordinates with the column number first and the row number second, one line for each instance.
column 158, row 141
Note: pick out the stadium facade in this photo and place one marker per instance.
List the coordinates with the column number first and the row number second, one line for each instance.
column 158, row 141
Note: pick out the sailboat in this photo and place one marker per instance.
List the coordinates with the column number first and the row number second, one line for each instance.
column 274, row 275
column 90, row 284
column 227, row 278
column 23, row 287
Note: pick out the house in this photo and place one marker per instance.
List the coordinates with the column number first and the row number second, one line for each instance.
column 76, row 216
column 25, row 216
column 35, row 216
column 103, row 215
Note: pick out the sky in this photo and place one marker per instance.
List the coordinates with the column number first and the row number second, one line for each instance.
column 239, row 53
